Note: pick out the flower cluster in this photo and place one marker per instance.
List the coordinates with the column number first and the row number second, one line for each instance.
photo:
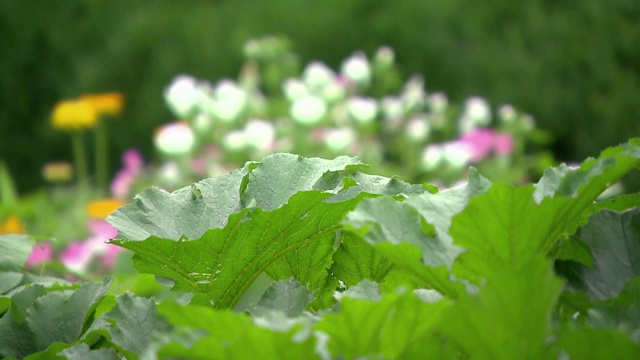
column 84, row 112
column 362, row 109
column 78, row 256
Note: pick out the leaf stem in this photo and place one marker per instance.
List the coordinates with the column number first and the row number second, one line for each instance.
column 80, row 159
column 101, row 155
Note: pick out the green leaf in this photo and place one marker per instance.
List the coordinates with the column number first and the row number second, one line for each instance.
column 621, row 314
column 417, row 228
column 16, row 339
column 511, row 316
column 382, row 329
column 173, row 215
column 61, row 316
column 277, row 223
column 597, row 344
column 586, row 183
column 286, row 296
column 395, row 229
column 364, row 290
column 614, row 239
column 9, row 280
column 130, row 325
column 14, row 251
column 82, row 351
column 574, row 249
column 356, row 260
column 224, row 262
column 279, row 176
column 229, row 335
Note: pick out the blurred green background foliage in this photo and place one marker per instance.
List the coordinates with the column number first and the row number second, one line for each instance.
column 574, row 65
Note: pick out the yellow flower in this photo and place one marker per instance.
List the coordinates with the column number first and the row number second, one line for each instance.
column 74, row 115
column 106, row 103
column 57, row 171
column 11, row 226
column 100, row 209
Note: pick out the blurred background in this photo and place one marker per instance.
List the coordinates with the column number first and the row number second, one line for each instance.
column 573, row 65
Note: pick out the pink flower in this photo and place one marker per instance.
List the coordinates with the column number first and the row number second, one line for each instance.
column 42, row 252
column 132, row 160
column 503, row 143
column 479, row 141
column 482, row 142
column 76, row 256
column 121, row 183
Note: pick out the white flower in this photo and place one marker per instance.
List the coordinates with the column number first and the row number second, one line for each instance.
column 334, row 91
column 317, row 75
column 308, row 110
column 384, row 56
column 182, row 95
column 507, row 114
column 363, row 110
column 432, row 156
column 175, row 139
column 235, row 140
column 169, row 172
column 294, row 89
column 457, row 154
column 260, row 134
column 438, row 102
column 413, row 95
column 357, row 69
column 230, row 100
column 202, row 124
column 393, row 113
column 476, row 114
column 417, row 129
column 339, row 139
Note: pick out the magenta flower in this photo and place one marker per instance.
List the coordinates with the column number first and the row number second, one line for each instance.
column 132, row 159
column 503, row 143
column 78, row 254
column 42, row 252
column 482, row 142
column 479, row 141
column 121, row 183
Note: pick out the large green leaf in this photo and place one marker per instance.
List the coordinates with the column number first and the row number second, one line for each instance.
column 130, row 325
column 284, row 219
column 356, row 260
column 614, row 239
column 585, row 183
column 621, row 314
column 40, row 317
column 597, row 344
column 506, row 226
column 224, row 262
column 414, row 233
column 188, row 212
column 379, row 329
column 14, row 251
column 61, row 316
column 229, row 335
column 510, row 318
column 16, row 339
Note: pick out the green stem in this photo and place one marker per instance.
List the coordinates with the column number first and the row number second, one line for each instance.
column 80, row 158
column 101, row 154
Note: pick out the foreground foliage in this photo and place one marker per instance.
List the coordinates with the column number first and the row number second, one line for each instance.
column 296, row 257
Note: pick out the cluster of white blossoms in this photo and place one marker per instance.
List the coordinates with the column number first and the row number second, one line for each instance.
column 324, row 112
